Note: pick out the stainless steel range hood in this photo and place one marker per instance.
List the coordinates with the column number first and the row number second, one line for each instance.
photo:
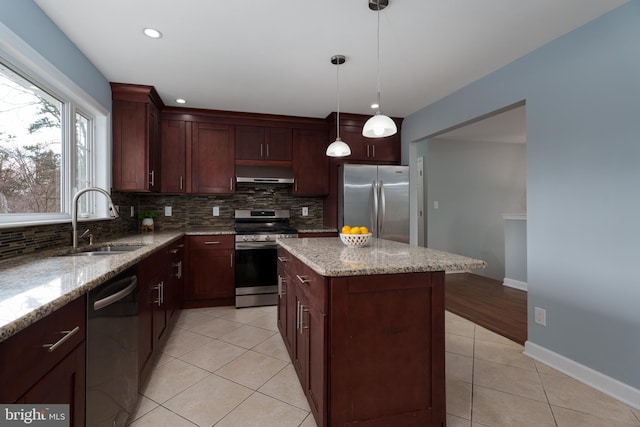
column 264, row 174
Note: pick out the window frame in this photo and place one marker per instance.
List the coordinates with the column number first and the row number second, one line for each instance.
column 17, row 55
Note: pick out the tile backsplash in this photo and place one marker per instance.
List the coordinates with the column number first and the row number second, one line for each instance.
column 189, row 212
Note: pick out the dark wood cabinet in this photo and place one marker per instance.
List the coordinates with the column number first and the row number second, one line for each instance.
column 213, row 167
column 211, row 266
column 310, row 163
column 384, row 335
column 136, row 137
column 371, row 150
column 263, row 145
column 174, row 157
column 34, row 372
column 174, row 294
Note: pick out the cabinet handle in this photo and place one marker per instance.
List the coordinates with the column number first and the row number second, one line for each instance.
column 267, row 151
column 295, row 185
column 159, row 289
column 282, row 259
column 373, row 149
column 303, row 279
column 231, row 259
column 181, row 182
column 211, row 243
column 67, row 334
column 303, row 310
column 173, row 251
column 298, row 315
column 261, row 154
column 178, row 266
column 152, row 182
column 367, row 150
column 231, row 183
column 279, row 286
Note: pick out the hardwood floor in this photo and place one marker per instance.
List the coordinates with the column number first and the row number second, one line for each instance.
column 488, row 303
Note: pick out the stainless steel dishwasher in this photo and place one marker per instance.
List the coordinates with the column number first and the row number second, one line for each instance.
column 112, row 351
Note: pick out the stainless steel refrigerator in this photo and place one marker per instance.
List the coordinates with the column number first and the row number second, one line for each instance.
column 376, row 197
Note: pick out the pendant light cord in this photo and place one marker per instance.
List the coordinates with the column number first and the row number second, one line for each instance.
column 378, row 67
column 338, row 97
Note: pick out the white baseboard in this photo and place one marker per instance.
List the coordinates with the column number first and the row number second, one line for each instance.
column 512, row 283
column 584, row 374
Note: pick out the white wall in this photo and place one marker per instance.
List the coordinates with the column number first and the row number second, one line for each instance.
column 474, row 183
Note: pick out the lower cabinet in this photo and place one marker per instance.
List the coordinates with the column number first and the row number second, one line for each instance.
column 384, row 335
column 211, row 267
column 45, row 363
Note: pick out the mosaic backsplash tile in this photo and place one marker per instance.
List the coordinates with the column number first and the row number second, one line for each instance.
column 188, row 212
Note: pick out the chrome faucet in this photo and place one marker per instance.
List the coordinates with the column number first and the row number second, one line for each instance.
column 74, row 210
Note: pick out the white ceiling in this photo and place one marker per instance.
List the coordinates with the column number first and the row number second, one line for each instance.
column 274, row 56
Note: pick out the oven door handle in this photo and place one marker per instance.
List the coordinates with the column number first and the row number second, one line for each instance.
column 255, row 245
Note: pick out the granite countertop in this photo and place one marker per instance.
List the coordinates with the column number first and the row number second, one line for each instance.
column 317, row 230
column 31, row 287
column 328, row 256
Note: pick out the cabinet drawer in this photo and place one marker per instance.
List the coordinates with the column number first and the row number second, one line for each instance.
column 313, row 284
column 214, row 241
column 24, row 359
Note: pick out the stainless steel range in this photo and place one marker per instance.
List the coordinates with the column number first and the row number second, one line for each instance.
column 257, row 231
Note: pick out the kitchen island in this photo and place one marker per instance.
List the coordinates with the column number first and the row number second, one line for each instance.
column 365, row 329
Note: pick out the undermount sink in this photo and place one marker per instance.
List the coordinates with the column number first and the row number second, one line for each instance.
column 106, row 250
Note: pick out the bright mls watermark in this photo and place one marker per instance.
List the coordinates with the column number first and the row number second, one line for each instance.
column 35, row 415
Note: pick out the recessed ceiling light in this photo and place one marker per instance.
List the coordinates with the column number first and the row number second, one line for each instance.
column 181, row 101
column 152, row 33
column 374, row 106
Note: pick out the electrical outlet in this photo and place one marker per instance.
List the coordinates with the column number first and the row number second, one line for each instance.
column 216, row 211
column 436, row 205
column 305, row 211
column 167, row 211
column 540, row 316
column 133, row 212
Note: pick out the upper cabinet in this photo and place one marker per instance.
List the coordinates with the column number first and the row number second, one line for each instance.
column 174, row 157
column 370, row 150
column 310, row 163
column 263, row 145
column 212, row 164
column 136, row 137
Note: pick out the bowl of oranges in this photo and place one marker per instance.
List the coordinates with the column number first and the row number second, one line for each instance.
column 355, row 236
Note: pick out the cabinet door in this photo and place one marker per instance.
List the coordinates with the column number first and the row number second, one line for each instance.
column 250, row 144
column 213, row 168
column 154, row 147
column 314, row 322
column 64, row 384
column 174, row 160
column 283, row 297
column 130, row 146
column 310, row 163
column 211, row 274
column 279, row 144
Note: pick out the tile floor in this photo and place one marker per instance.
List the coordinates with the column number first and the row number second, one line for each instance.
column 224, row 367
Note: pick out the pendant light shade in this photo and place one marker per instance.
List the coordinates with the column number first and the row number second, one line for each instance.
column 338, row 148
column 379, row 125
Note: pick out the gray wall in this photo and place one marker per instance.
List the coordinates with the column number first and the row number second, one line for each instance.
column 583, row 197
column 27, row 21
column 474, row 183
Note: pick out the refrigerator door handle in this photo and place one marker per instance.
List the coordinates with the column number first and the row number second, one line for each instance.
column 374, row 213
column 383, row 209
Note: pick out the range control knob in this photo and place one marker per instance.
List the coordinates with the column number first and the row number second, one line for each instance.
column 267, row 238
column 254, row 238
column 245, row 238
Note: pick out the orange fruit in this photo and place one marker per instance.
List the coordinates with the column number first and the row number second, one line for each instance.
column 355, row 230
column 364, row 230
column 346, row 230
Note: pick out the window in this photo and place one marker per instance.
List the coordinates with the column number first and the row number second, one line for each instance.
column 51, row 135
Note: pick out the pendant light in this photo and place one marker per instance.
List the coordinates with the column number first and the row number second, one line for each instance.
column 338, row 148
column 379, row 125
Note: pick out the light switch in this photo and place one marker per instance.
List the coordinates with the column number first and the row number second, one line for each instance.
column 435, row 205
column 167, row 211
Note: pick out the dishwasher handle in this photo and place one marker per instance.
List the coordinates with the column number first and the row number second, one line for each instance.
column 113, row 298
